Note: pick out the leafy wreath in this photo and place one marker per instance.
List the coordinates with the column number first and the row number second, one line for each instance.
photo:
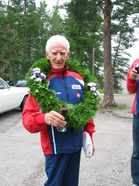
column 38, row 84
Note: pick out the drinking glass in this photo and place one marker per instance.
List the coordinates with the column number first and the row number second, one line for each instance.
column 63, row 112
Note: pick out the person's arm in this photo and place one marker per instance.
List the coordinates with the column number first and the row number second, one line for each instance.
column 32, row 118
column 34, row 121
column 90, row 128
column 132, row 79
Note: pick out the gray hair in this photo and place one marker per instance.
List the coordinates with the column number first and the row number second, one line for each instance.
column 57, row 39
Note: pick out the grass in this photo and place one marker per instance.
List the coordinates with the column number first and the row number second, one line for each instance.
column 119, row 107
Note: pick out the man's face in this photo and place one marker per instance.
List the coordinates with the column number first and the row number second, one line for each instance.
column 58, row 56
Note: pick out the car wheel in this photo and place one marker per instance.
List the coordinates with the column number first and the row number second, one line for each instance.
column 23, row 103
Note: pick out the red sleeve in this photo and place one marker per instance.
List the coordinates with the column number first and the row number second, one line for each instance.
column 90, row 128
column 132, row 84
column 32, row 118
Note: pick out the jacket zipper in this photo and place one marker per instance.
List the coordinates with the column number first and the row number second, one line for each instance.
column 65, row 86
column 68, row 102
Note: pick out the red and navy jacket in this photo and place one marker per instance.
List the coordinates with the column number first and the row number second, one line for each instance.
column 132, row 85
column 69, row 87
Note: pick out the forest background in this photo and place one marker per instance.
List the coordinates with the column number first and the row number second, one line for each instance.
column 99, row 32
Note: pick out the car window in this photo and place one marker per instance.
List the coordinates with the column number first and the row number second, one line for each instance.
column 10, row 83
column 3, row 85
column 21, row 83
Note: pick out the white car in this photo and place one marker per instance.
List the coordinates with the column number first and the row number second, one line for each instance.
column 12, row 97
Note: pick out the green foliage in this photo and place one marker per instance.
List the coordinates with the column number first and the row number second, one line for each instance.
column 86, row 33
column 122, row 32
column 120, row 68
column 124, row 18
column 48, row 101
column 24, row 30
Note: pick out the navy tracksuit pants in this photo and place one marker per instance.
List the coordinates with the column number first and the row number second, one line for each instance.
column 62, row 169
column 135, row 154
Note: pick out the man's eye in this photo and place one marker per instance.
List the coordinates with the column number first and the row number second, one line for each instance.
column 54, row 53
column 62, row 53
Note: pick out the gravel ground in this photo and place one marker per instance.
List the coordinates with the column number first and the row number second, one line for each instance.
column 113, row 143
column 22, row 160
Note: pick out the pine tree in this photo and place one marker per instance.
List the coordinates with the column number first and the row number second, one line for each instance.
column 125, row 8
column 83, row 26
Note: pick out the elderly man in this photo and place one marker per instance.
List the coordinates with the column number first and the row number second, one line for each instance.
column 62, row 148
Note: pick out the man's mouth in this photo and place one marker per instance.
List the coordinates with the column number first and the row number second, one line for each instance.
column 58, row 63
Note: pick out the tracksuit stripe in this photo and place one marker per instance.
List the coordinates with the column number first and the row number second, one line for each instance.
column 53, row 136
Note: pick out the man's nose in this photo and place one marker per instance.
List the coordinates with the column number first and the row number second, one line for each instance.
column 58, row 56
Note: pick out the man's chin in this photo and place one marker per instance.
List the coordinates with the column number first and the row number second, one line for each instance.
column 58, row 67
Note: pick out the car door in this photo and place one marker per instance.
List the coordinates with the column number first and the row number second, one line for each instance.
column 7, row 97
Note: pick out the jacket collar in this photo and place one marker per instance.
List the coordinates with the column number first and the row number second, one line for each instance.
column 60, row 71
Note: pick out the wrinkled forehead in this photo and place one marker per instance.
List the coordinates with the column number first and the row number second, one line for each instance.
column 57, row 47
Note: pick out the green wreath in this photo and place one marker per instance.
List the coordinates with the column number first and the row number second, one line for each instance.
column 79, row 114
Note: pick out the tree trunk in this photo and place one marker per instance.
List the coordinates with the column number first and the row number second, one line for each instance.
column 10, row 62
column 25, row 32
column 108, row 99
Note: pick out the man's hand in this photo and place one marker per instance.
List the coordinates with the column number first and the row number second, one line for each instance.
column 54, row 119
column 133, row 74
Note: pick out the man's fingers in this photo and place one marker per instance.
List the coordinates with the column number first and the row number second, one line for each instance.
column 133, row 74
column 54, row 119
column 56, row 114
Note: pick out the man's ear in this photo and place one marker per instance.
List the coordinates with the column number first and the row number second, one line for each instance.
column 47, row 55
column 68, row 54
